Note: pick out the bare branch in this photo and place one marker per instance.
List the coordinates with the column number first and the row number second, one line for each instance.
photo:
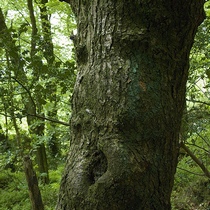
column 200, row 102
column 197, row 174
column 40, row 117
column 27, row 90
column 203, row 139
column 198, row 162
column 195, row 145
column 50, row 119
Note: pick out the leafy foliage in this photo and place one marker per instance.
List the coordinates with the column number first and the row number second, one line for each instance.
column 192, row 188
column 35, row 85
column 14, row 191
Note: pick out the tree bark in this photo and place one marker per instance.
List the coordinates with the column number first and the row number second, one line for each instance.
column 128, row 102
column 34, row 192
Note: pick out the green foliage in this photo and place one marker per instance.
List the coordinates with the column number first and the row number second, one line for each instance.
column 14, row 194
column 191, row 191
column 14, row 191
column 191, row 187
column 37, row 75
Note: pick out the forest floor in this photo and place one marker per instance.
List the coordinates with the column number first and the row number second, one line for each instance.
column 190, row 192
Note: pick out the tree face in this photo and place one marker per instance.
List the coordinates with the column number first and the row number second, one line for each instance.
column 127, row 104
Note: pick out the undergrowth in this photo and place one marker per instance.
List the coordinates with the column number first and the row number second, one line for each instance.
column 191, row 188
column 190, row 192
column 14, row 190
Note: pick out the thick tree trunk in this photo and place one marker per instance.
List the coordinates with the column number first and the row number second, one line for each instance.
column 128, row 101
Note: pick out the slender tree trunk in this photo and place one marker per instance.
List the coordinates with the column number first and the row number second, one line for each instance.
column 35, row 107
column 128, row 101
column 48, row 49
column 33, row 187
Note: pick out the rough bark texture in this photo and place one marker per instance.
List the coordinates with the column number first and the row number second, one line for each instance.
column 128, row 101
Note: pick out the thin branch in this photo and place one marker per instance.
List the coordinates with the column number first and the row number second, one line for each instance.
column 36, row 115
column 27, row 90
column 200, row 102
column 50, row 119
column 16, row 9
column 3, row 114
column 40, row 117
column 195, row 145
column 203, row 139
column 197, row 161
column 191, row 172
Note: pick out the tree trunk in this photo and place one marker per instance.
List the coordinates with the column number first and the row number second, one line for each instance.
column 35, row 107
column 33, row 187
column 128, row 102
column 48, row 53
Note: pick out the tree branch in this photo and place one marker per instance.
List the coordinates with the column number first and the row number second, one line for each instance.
column 198, row 162
column 36, row 115
column 67, row 1
column 27, row 90
column 195, row 145
column 200, row 102
column 50, row 119
column 40, row 117
column 190, row 172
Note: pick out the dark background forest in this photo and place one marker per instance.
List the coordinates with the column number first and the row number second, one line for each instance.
column 37, row 75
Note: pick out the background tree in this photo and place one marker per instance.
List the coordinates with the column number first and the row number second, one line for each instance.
column 29, row 77
column 191, row 176
column 128, row 101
